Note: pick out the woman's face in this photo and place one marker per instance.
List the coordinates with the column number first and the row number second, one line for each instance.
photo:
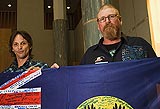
column 20, row 47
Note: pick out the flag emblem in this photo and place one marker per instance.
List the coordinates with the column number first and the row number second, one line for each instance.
column 104, row 102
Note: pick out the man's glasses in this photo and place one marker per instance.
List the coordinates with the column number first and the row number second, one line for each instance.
column 110, row 17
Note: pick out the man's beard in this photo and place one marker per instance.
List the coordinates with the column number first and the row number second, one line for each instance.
column 111, row 32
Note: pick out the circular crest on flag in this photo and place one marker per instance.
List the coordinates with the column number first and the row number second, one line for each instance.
column 104, row 102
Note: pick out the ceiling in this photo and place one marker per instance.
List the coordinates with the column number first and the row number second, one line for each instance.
column 4, row 5
column 73, row 4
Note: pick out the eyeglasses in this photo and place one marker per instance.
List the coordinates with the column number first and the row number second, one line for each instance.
column 110, row 17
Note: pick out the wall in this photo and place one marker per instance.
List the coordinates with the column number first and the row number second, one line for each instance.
column 76, row 45
column 30, row 18
column 79, row 42
column 135, row 18
column 5, row 56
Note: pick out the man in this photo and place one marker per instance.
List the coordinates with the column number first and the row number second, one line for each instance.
column 20, row 46
column 114, row 45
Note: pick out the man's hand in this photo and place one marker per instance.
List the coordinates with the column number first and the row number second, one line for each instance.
column 55, row 65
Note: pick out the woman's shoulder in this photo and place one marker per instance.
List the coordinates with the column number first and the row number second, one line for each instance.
column 39, row 64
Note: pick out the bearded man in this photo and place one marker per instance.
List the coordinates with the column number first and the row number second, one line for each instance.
column 114, row 45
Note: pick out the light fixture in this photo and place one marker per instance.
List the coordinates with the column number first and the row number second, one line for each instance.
column 9, row 5
column 49, row 6
column 68, row 7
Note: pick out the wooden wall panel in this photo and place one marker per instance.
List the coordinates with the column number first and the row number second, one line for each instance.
column 5, row 57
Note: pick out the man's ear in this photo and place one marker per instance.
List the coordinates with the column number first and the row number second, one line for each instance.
column 121, row 22
column 120, row 19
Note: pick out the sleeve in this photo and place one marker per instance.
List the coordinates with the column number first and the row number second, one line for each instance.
column 39, row 64
column 148, row 48
column 88, row 56
column 45, row 66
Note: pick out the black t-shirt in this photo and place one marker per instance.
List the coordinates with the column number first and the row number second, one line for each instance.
column 112, row 48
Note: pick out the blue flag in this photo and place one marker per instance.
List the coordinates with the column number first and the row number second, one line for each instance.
column 118, row 85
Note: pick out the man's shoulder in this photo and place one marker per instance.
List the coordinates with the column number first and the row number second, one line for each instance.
column 93, row 47
column 11, row 68
column 134, row 39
